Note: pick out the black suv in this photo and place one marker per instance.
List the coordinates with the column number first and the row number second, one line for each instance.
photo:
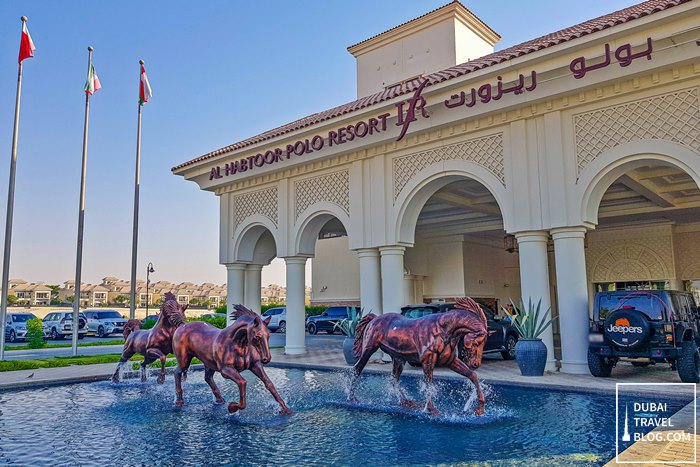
column 326, row 320
column 647, row 326
column 502, row 335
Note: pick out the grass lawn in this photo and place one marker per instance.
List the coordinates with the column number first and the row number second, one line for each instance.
column 57, row 346
column 57, row 362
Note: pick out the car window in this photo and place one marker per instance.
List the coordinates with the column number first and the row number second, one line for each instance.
column 21, row 318
column 337, row 311
column 651, row 305
column 108, row 314
column 48, row 317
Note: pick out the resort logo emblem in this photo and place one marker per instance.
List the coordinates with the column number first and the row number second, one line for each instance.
column 415, row 103
column 647, row 425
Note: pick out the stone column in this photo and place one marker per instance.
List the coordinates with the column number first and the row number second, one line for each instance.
column 235, row 283
column 296, row 306
column 392, row 278
column 572, row 292
column 253, row 278
column 370, row 281
column 534, row 280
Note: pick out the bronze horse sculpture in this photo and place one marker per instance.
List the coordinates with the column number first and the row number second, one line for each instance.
column 431, row 341
column 156, row 343
column 241, row 346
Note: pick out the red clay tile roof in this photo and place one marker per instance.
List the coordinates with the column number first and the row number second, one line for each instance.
column 422, row 16
column 588, row 27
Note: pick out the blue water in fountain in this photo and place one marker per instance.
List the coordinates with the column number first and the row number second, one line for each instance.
column 138, row 424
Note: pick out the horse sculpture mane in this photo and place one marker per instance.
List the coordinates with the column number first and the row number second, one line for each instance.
column 173, row 312
column 240, row 310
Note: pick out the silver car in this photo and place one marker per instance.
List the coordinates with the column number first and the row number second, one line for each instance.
column 278, row 319
column 58, row 325
column 104, row 322
column 16, row 326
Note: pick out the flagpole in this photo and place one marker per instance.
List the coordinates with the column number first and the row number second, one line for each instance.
column 5, row 287
column 135, row 237
column 81, row 219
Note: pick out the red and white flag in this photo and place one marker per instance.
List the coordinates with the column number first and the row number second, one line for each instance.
column 145, row 92
column 93, row 82
column 26, row 45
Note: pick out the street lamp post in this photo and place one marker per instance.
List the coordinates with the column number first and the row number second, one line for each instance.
column 149, row 270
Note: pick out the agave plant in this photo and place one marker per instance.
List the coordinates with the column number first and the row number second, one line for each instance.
column 348, row 325
column 530, row 322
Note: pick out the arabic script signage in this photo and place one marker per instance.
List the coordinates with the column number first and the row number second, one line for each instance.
column 409, row 110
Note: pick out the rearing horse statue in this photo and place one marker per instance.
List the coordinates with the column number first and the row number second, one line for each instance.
column 156, row 343
column 241, row 346
column 431, row 341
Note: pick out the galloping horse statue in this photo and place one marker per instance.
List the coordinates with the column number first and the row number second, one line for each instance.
column 155, row 343
column 431, row 341
column 241, row 346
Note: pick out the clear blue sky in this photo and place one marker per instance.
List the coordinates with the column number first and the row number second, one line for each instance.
column 220, row 70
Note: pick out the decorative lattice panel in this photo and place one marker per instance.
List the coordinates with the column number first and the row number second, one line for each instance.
column 486, row 151
column 333, row 187
column 688, row 255
column 263, row 202
column 629, row 259
column 671, row 117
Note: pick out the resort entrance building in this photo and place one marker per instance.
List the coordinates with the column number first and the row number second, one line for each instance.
column 546, row 171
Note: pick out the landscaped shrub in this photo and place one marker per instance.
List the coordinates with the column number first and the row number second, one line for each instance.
column 35, row 334
column 148, row 324
column 315, row 310
column 217, row 322
column 221, row 309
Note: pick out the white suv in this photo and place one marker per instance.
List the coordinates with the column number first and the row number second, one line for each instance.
column 278, row 319
column 104, row 322
column 58, row 325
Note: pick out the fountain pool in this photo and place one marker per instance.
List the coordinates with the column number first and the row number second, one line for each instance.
column 138, row 424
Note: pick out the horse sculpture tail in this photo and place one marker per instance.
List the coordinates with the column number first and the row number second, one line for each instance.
column 131, row 326
column 360, row 334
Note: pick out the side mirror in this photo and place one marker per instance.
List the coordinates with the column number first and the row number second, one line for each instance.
column 324, row 314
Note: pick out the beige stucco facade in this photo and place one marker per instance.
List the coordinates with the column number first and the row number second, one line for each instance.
column 548, row 162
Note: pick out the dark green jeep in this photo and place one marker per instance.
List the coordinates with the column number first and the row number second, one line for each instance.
column 645, row 327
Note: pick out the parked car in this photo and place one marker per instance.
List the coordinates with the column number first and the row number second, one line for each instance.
column 104, row 322
column 57, row 325
column 213, row 315
column 645, row 327
column 16, row 326
column 278, row 319
column 326, row 320
column 502, row 334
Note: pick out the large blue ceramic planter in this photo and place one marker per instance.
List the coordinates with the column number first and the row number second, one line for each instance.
column 531, row 355
column 348, row 343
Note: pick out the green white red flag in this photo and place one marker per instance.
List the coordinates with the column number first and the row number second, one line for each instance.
column 26, row 45
column 145, row 92
column 93, row 82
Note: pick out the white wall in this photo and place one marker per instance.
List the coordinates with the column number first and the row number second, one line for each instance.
column 337, row 268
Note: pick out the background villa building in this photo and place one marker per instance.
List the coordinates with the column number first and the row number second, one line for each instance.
column 549, row 170
column 29, row 294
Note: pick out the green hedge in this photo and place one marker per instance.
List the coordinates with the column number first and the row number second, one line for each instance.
column 35, row 334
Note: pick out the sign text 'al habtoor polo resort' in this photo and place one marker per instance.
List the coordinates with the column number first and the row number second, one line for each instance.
column 408, row 109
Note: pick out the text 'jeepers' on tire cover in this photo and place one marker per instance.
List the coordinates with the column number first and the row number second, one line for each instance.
column 627, row 328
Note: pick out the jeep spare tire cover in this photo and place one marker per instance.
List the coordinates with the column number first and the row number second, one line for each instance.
column 627, row 328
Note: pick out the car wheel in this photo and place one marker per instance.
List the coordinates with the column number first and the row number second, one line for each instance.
column 312, row 328
column 688, row 363
column 55, row 335
column 13, row 336
column 509, row 352
column 101, row 332
column 81, row 336
column 283, row 327
column 599, row 366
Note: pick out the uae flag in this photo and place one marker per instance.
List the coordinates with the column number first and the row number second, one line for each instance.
column 145, row 92
column 26, row 45
column 93, row 82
